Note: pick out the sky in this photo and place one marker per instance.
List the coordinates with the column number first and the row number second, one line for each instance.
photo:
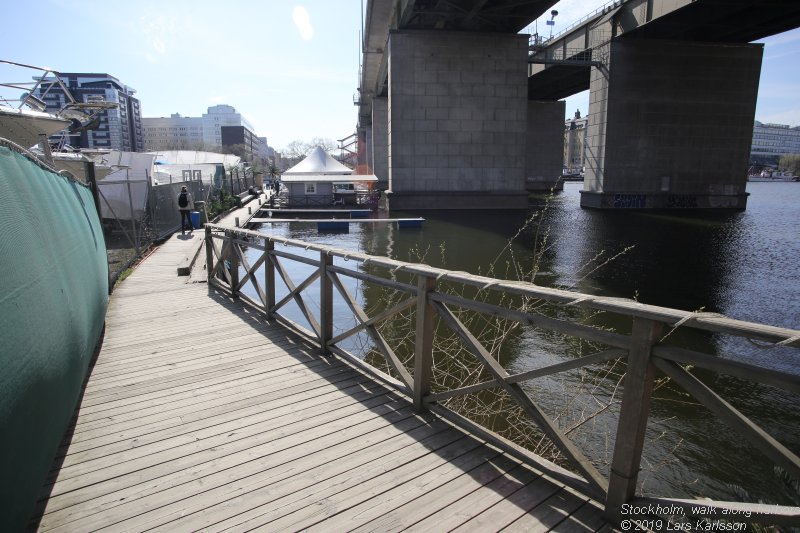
column 291, row 68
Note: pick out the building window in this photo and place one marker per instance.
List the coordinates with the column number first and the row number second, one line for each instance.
column 311, row 188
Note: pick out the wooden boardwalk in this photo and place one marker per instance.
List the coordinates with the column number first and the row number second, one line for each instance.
column 200, row 415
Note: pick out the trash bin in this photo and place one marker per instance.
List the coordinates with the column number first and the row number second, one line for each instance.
column 201, row 208
column 195, row 219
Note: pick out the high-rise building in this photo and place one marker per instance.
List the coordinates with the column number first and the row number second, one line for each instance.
column 119, row 128
column 218, row 116
column 239, row 135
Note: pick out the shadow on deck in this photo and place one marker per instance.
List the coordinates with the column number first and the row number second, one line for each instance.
column 199, row 413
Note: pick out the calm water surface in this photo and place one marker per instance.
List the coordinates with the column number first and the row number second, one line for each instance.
column 745, row 265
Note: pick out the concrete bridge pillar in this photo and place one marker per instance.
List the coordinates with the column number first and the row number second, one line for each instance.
column 457, row 120
column 670, row 124
column 545, row 146
column 380, row 141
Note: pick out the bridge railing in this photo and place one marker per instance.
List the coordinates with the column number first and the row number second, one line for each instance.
column 608, row 6
column 253, row 267
column 559, row 55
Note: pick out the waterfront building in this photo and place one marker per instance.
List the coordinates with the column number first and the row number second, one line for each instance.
column 262, row 151
column 240, row 136
column 771, row 141
column 575, row 142
column 119, row 128
column 219, row 127
column 172, row 133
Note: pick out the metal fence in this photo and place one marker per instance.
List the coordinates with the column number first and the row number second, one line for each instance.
column 136, row 213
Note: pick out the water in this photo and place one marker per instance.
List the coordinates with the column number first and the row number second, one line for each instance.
column 743, row 265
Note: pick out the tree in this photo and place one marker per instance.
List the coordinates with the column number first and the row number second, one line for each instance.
column 790, row 162
column 299, row 149
column 237, row 150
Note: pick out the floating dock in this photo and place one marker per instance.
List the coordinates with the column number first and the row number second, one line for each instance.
column 352, row 213
column 341, row 223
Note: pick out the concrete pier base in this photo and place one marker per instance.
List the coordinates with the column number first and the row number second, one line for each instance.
column 670, row 125
column 445, row 200
column 611, row 200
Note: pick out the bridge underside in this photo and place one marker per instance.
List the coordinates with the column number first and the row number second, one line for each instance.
column 559, row 81
column 668, row 127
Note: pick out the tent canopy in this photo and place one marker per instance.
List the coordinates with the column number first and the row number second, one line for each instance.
column 318, row 162
column 320, row 167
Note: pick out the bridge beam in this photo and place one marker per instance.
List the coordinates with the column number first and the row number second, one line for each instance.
column 457, row 120
column 670, row 125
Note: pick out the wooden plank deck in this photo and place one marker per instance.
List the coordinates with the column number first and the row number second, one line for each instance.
column 200, row 415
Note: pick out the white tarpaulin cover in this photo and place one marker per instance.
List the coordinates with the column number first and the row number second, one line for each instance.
column 193, row 157
column 125, row 188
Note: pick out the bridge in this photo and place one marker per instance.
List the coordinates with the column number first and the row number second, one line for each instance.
column 212, row 404
column 447, row 120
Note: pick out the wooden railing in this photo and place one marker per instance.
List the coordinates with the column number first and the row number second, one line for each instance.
column 644, row 350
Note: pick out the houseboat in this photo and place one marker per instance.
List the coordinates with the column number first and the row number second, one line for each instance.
column 319, row 181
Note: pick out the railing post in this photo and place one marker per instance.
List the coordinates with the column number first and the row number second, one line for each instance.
column 209, row 254
column 234, row 266
column 269, row 276
column 423, row 347
column 325, row 302
column 638, row 389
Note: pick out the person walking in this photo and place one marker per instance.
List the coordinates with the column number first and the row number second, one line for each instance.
column 186, row 205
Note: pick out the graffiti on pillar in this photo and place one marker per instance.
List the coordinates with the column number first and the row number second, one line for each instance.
column 629, row 201
column 681, row 200
column 723, row 201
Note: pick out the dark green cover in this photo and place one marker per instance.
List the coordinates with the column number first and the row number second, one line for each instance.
column 53, row 299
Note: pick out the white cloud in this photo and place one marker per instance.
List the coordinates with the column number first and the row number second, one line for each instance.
column 156, row 30
column 303, row 22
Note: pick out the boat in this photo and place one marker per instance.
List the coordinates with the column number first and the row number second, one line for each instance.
column 53, row 300
column 773, row 176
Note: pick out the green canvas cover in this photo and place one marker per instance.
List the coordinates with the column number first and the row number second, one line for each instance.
column 53, row 299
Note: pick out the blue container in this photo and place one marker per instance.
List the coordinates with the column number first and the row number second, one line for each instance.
column 195, row 219
column 410, row 223
column 333, row 225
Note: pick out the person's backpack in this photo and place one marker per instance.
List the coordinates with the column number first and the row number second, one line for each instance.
column 182, row 200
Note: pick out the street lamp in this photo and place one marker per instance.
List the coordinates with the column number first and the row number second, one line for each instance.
column 552, row 22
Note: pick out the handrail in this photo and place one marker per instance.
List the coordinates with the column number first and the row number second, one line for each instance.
column 644, row 349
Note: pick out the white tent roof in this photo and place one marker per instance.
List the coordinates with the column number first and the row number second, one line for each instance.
column 320, row 167
column 315, row 163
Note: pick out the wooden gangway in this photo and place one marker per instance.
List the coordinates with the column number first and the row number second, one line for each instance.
column 201, row 414
column 210, row 408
